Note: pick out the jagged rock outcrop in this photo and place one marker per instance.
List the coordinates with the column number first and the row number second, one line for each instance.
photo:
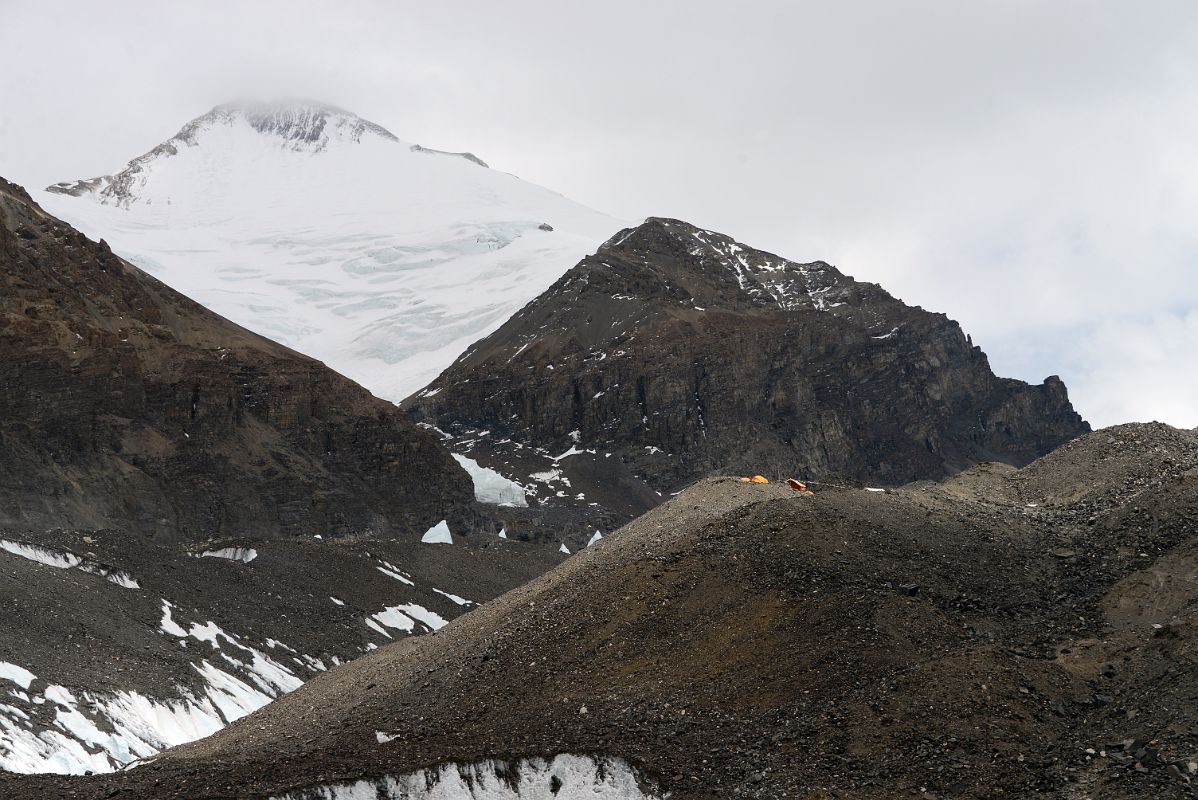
column 683, row 353
column 125, row 405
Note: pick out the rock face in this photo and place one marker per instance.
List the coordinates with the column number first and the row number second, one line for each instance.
column 684, row 353
column 125, row 405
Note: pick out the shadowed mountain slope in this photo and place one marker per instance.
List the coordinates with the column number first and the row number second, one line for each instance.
column 674, row 353
column 125, row 405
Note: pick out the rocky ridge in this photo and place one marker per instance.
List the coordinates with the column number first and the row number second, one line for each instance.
column 674, row 352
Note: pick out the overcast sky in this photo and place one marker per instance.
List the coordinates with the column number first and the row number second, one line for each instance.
column 1028, row 168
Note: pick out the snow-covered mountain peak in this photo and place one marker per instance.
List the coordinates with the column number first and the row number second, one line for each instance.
column 297, row 124
column 305, row 124
column 324, row 231
column 300, row 126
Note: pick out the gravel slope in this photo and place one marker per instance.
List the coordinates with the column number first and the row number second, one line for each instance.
column 972, row 638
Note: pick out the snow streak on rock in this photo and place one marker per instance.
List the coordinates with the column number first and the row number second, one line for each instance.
column 96, row 732
column 405, row 618
column 100, row 731
column 62, row 559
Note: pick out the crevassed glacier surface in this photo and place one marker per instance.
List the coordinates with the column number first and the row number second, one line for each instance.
column 323, row 231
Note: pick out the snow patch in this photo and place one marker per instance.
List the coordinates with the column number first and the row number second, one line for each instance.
column 564, row 777
column 62, row 559
column 392, row 571
column 431, row 619
column 461, row 601
column 18, row 675
column 394, row 618
column 405, row 618
column 370, row 623
column 243, row 554
column 42, row 555
column 122, row 579
column 99, row 732
column 269, row 675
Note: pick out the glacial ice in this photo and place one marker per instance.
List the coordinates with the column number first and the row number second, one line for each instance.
column 438, row 534
column 490, row 486
column 564, row 777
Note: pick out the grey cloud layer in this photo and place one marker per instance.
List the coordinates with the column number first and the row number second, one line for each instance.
column 1030, row 168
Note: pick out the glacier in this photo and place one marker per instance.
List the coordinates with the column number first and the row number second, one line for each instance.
column 492, row 487
column 321, row 230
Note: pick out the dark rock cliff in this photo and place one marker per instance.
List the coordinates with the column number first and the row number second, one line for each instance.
column 123, row 404
column 684, row 354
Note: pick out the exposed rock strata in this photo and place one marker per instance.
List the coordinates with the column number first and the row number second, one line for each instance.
column 123, row 404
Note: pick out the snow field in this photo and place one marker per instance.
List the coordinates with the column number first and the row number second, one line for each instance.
column 382, row 261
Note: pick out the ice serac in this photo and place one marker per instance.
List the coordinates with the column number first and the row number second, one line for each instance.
column 490, row 486
column 683, row 353
column 324, row 231
column 126, row 405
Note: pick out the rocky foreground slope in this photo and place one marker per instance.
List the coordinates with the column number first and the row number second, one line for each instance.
column 125, row 405
column 1004, row 633
column 674, row 353
column 176, row 496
